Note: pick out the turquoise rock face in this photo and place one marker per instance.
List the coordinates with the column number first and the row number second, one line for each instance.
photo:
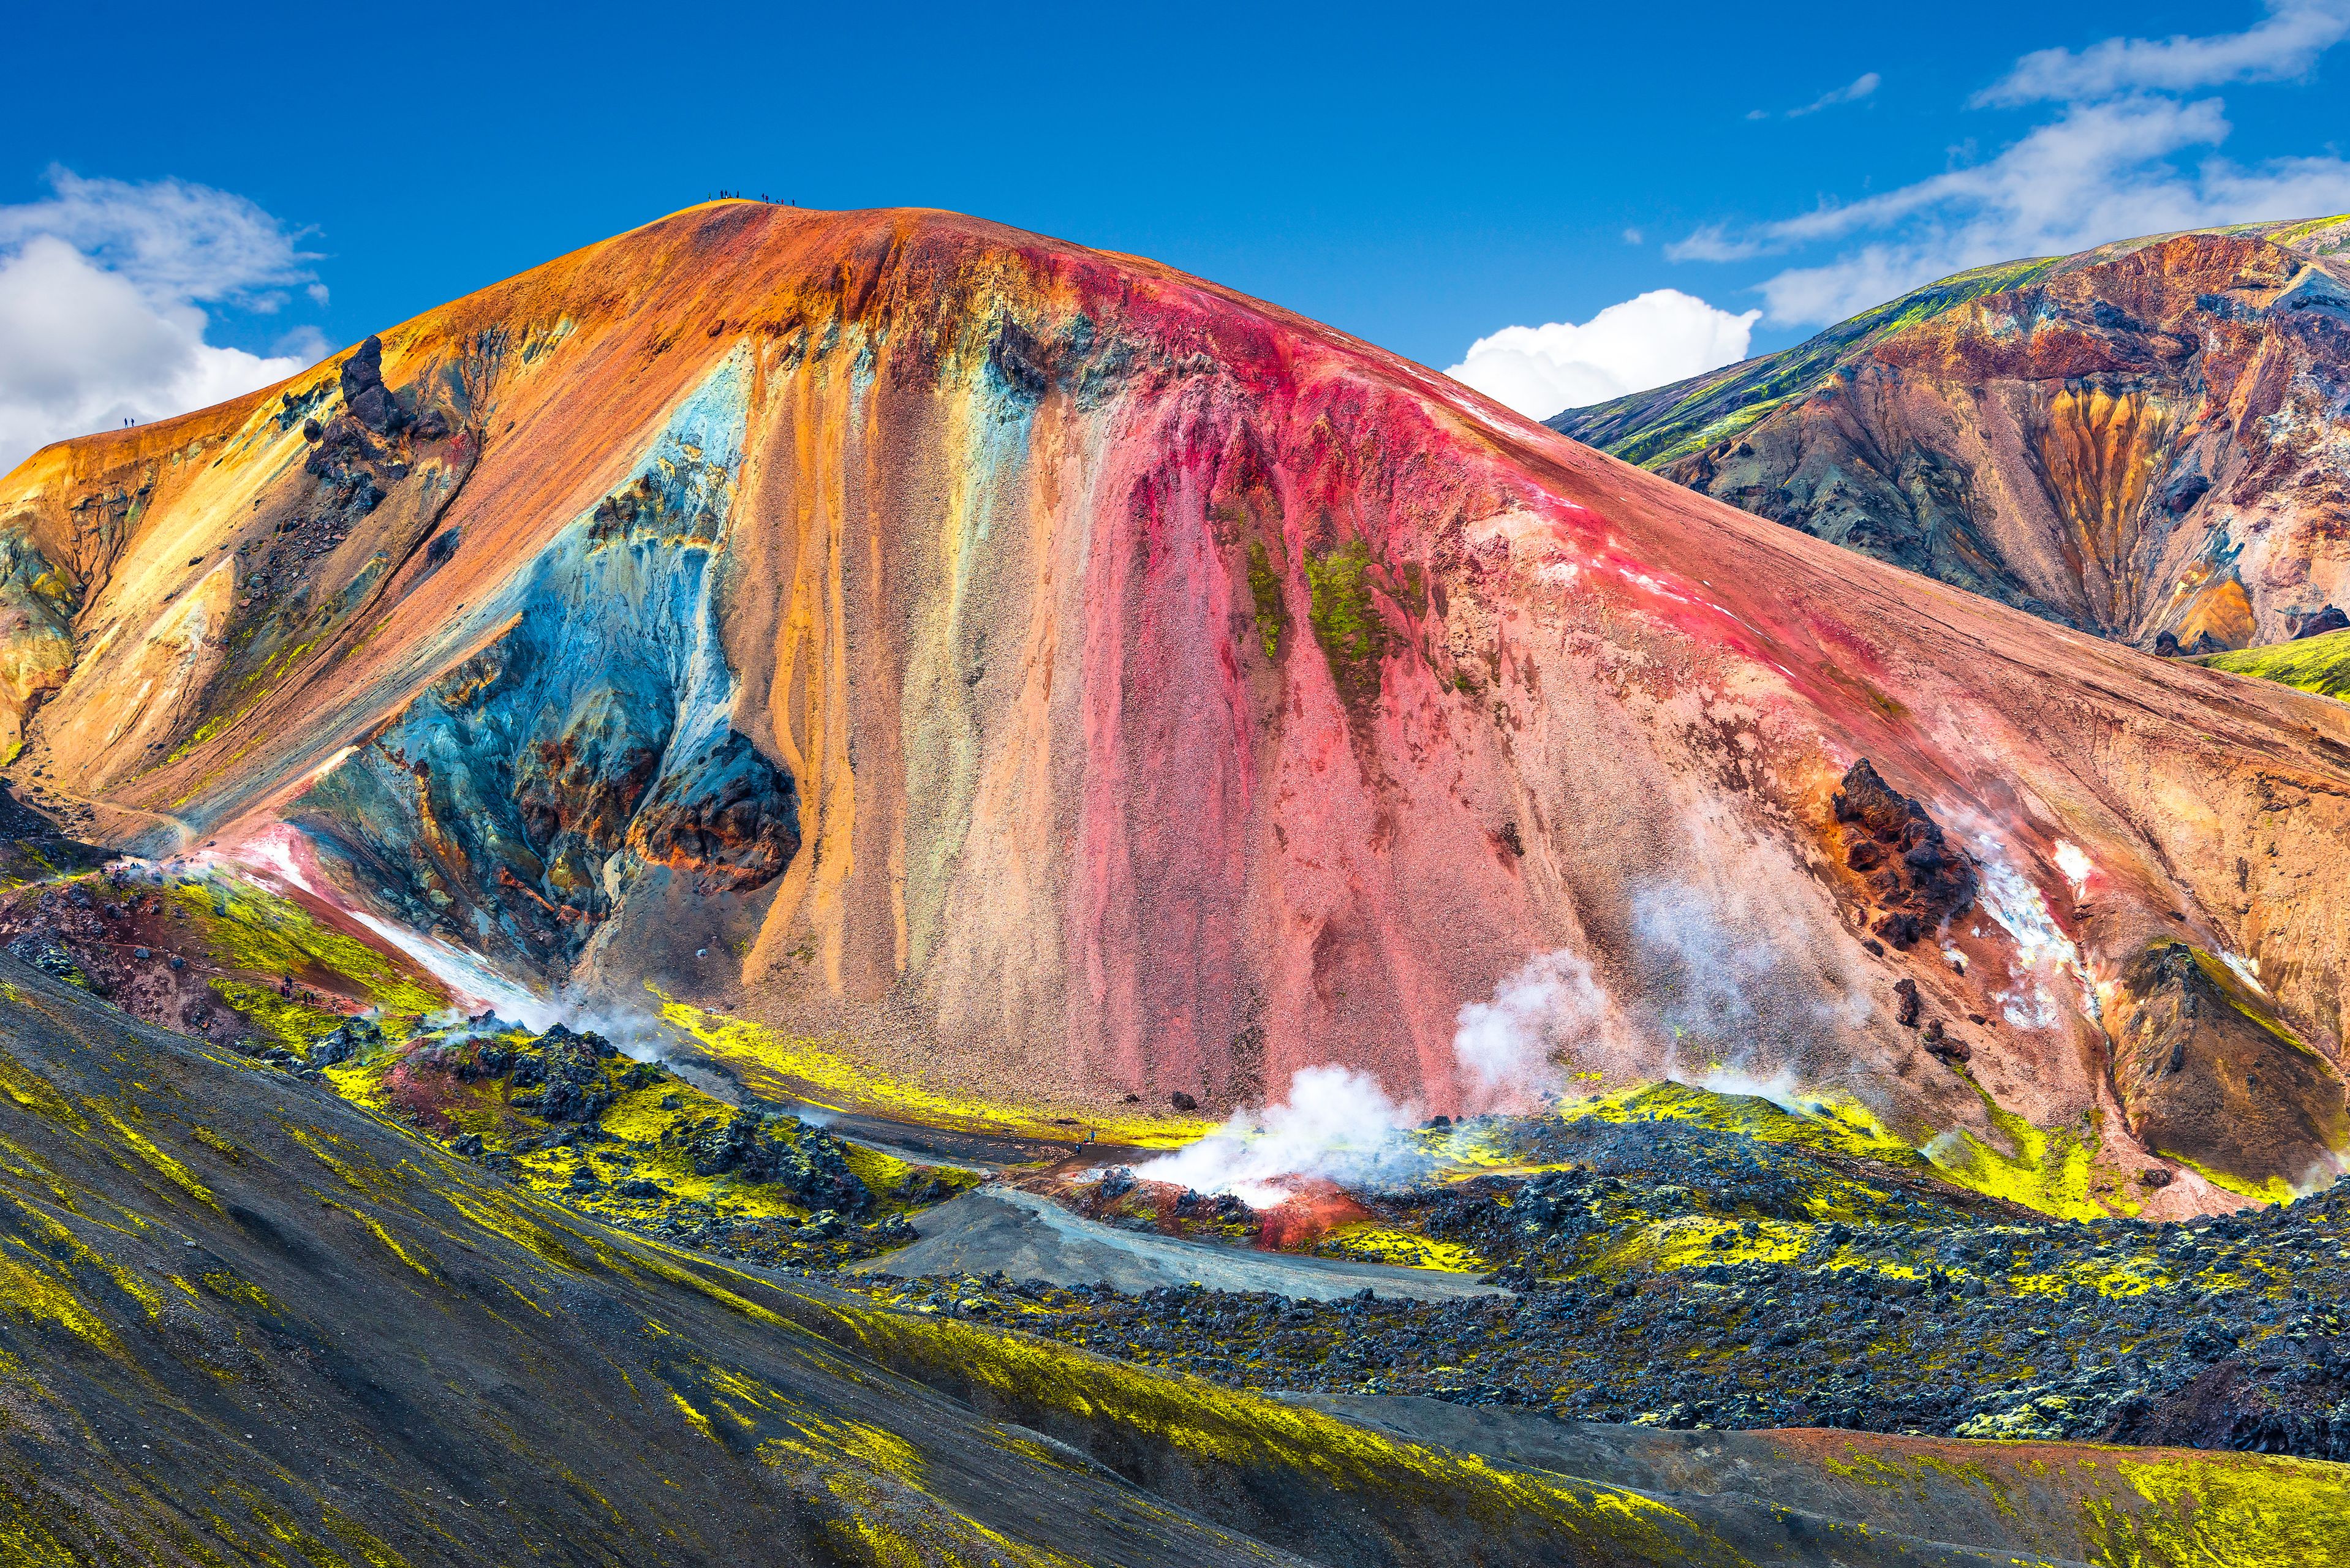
column 519, row 796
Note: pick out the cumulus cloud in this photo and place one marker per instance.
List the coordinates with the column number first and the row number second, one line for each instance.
column 1659, row 336
column 2284, row 46
column 2118, row 160
column 101, row 294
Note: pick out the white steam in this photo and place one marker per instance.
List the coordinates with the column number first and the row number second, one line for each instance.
column 1717, row 986
column 2076, row 865
column 1337, row 1125
column 2246, row 969
column 1725, row 1003
column 2042, row 947
column 1506, row 1048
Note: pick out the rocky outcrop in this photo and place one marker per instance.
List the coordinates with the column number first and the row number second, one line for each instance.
column 515, row 800
column 37, row 654
column 2143, row 440
column 2210, row 1075
column 727, row 815
column 805, row 1161
column 1916, row 882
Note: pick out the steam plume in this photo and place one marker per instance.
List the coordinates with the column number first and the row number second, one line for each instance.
column 1336, row 1123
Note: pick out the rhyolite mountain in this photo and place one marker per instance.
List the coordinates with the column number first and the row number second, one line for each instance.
column 2145, row 441
column 1043, row 674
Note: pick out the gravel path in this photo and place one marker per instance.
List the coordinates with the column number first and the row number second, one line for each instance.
column 1027, row 1237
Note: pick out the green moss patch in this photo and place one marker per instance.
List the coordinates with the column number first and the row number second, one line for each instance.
column 2319, row 664
column 1345, row 618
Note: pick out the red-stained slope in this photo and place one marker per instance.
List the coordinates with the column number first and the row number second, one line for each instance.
column 1164, row 693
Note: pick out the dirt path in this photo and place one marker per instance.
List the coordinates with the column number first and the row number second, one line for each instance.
column 1028, row 1237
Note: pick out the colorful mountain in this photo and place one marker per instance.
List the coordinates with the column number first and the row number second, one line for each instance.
column 2142, row 441
column 1028, row 676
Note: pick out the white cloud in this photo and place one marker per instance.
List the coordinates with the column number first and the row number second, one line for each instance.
column 2117, row 161
column 2100, row 172
column 99, row 293
column 1659, row 336
column 2285, row 45
column 1859, row 88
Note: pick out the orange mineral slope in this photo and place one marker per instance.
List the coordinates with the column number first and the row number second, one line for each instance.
column 1055, row 676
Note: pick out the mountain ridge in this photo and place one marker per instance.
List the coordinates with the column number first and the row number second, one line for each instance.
column 2102, row 439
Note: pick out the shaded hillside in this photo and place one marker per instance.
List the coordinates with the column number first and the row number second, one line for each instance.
column 243, row 1319
column 245, row 1324
column 2142, row 441
column 1007, row 672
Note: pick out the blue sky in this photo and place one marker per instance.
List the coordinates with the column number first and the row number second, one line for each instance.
column 1423, row 178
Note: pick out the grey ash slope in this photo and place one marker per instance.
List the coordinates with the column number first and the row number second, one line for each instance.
column 245, row 1320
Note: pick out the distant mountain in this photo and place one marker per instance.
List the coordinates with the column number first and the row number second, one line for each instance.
column 2146, row 440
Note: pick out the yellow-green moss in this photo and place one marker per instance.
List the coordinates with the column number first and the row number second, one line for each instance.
column 1345, row 616
column 171, row 1169
column 2224, row 1510
column 1272, row 609
column 1688, row 1242
column 2051, row 1170
column 2319, row 664
column 1256, row 1435
column 1375, row 1243
column 293, row 1024
column 813, row 1071
column 245, row 928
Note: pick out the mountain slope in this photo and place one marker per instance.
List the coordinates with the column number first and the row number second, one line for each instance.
column 245, row 1324
column 2141, row 440
column 2320, row 663
column 1036, row 674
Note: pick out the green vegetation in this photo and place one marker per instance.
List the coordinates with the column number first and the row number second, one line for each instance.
column 1272, row 609
column 1345, row 618
column 2319, row 664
